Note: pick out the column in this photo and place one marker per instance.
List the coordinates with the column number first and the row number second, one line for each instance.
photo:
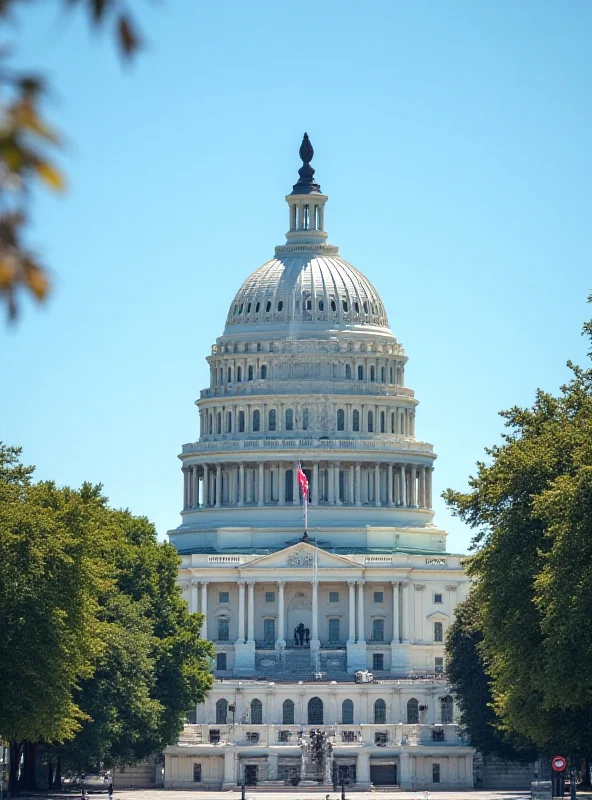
column 315, row 484
column 185, row 489
column 281, row 633
column 361, row 638
column 389, row 485
column 282, row 484
column 331, row 482
column 336, row 477
column 218, row 485
column 261, row 487
column 403, row 485
column 194, row 488
column 241, row 485
column 206, row 486
column 352, row 612
column 429, row 472
column 405, row 612
column 422, row 486
column 229, row 770
column 193, row 608
column 241, row 613
column 413, row 486
column 358, row 484
column 377, row 485
column 395, row 639
column 204, row 609
column 315, row 614
column 295, row 486
column 251, row 612
column 363, row 769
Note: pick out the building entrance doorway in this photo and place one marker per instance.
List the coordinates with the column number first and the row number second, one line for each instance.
column 344, row 774
column 383, row 774
column 299, row 612
column 251, row 771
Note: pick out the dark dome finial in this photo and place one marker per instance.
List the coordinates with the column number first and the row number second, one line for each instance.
column 306, row 184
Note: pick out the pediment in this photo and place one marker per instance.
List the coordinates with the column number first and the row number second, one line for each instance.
column 301, row 556
column 438, row 616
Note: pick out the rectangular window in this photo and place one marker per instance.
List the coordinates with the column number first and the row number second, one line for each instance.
column 348, row 736
column 333, row 597
column 214, row 736
column 381, row 738
column 252, row 737
column 223, row 597
column 360, row 373
column 333, row 630
column 438, row 735
column 223, row 630
column 269, row 631
column 378, row 661
column 439, row 666
column 220, row 660
column 437, row 598
column 284, row 736
column 270, row 597
column 197, row 773
column 250, row 373
column 378, row 630
column 438, row 632
column 378, row 597
column 435, row 773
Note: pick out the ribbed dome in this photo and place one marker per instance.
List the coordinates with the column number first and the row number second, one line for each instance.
column 307, row 289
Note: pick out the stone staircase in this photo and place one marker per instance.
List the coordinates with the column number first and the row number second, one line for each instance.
column 291, row 665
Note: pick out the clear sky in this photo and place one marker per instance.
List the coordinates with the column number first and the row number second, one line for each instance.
column 453, row 139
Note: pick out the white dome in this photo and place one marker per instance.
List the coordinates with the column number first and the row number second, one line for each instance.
column 309, row 289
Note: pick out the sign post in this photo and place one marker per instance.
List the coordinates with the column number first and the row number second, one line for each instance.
column 559, row 763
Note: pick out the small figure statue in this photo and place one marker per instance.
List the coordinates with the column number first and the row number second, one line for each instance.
column 296, row 636
column 301, row 632
column 307, row 635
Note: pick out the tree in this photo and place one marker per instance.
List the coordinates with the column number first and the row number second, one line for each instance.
column 531, row 506
column 99, row 656
column 27, row 147
column 471, row 686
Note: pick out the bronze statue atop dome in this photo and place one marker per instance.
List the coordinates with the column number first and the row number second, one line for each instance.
column 306, row 184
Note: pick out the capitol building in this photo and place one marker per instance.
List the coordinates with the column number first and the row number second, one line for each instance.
column 329, row 638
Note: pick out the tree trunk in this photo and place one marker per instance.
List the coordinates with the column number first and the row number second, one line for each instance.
column 57, row 777
column 29, row 777
column 15, row 757
column 49, row 773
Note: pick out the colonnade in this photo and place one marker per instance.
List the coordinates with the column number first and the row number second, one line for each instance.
column 330, row 483
column 356, row 615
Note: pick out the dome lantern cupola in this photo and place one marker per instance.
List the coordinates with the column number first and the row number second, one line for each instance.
column 306, row 203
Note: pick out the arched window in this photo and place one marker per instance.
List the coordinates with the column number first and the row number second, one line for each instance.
column 250, row 373
column 280, row 305
column 219, row 422
column 379, row 712
column 263, row 372
column 356, row 420
column 257, row 307
column 315, row 711
column 438, row 632
column 256, row 712
column 370, row 422
column 268, row 306
column 360, row 372
column 412, row 712
column 288, row 712
column 241, row 421
column 229, row 422
column 256, row 421
column 272, row 420
column 446, row 705
column 347, row 712
column 221, row 711
column 372, row 373
column 340, row 419
column 321, row 305
column 383, row 374
column 348, row 372
column 289, row 419
column 382, row 422
column 239, row 374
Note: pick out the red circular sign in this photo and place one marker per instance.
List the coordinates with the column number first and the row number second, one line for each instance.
column 558, row 763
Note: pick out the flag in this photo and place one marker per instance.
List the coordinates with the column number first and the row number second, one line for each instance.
column 303, row 483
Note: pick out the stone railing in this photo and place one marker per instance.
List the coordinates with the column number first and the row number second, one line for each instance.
column 389, row 444
column 304, row 387
column 385, row 346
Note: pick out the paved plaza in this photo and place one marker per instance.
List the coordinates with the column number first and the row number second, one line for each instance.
column 160, row 794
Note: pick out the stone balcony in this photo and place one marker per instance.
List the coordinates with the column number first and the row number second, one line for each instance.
column 380, row 443
column 304, row 387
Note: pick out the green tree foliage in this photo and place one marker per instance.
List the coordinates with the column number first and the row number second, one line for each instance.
column 471, row 687
column 531, row 506
column 99, row 656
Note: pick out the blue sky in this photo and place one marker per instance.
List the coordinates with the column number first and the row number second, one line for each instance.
column 453, row 139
